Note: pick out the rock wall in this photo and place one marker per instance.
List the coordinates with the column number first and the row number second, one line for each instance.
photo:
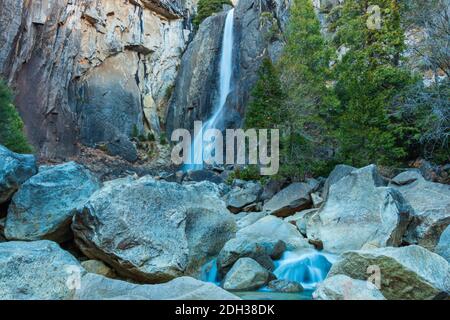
column 258, row 27
column 90, row 71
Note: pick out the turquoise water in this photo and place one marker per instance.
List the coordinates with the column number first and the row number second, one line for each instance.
column 307, row 267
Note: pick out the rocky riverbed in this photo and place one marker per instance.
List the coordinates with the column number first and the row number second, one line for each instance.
column 64, row 234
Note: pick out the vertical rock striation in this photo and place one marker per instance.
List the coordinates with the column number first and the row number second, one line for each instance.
column 90, row 71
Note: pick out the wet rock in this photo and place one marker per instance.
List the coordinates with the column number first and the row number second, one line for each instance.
column 45, row 204
column 285, row 286
column 264, row 241
column 195, row 88
column 245, row 275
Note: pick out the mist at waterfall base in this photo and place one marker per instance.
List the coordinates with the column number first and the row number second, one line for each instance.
column 307, row 267
column 197, row 153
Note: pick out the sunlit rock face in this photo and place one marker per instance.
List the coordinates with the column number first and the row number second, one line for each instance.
column 89, row 71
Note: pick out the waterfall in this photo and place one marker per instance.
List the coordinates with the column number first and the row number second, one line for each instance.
column 209, row 272
column 226, row 70
column 307, row 268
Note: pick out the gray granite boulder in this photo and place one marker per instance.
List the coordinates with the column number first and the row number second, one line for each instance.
column 430, row 204
column 15, row 169
column 341, row 287
column 154, row 231
column 38, row 270
column 45, row 204
column 409, row 273
column 246, row 275
column 360, row 212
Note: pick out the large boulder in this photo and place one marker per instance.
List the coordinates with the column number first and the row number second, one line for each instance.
column 443, row 246
column 246, row 275
column 264, row 241
column 301, row 220
column 337, row 174
column 96, row 287
column 154, row 231
column 15, row 169
column 431, row 207
column 408, row 273
column 238, row 199
column 44, row 206
column 341, row 287
column 360, row 213
column 249, row 219
column 37, row 271
column 294, row 198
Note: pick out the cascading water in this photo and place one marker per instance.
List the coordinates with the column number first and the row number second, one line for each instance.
column 308, row 268
column 226, row 69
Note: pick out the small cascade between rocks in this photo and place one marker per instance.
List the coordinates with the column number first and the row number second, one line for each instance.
column 226, row 69
column 307, row 267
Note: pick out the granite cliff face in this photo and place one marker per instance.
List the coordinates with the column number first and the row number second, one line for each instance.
column 93, row 72
column 89, row 71
column 258, row 27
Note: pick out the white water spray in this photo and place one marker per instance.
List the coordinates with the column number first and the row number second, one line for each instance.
column 309, row 268
column 226, row 70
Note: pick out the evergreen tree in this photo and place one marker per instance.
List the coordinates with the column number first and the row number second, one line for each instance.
column 310, row 102
column 207, row 8
column 264, row 110
column 368, row 76
column 11, row 125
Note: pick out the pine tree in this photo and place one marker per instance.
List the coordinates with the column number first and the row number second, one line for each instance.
column 368, row 76
column 11, row 125
column 264, row 109
column 310, row 102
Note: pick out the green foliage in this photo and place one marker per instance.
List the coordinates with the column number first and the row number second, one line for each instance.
column 135, row 132
column 368, row 77
column 151, row 137
column 310, row 101
column 248, row 173
column 207, row 8
column 264, row 109
column 425, row 113
column 163, row 139
column 11, row 125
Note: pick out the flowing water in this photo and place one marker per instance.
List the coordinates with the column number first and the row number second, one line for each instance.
column 307, row 267
column 225, row 75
